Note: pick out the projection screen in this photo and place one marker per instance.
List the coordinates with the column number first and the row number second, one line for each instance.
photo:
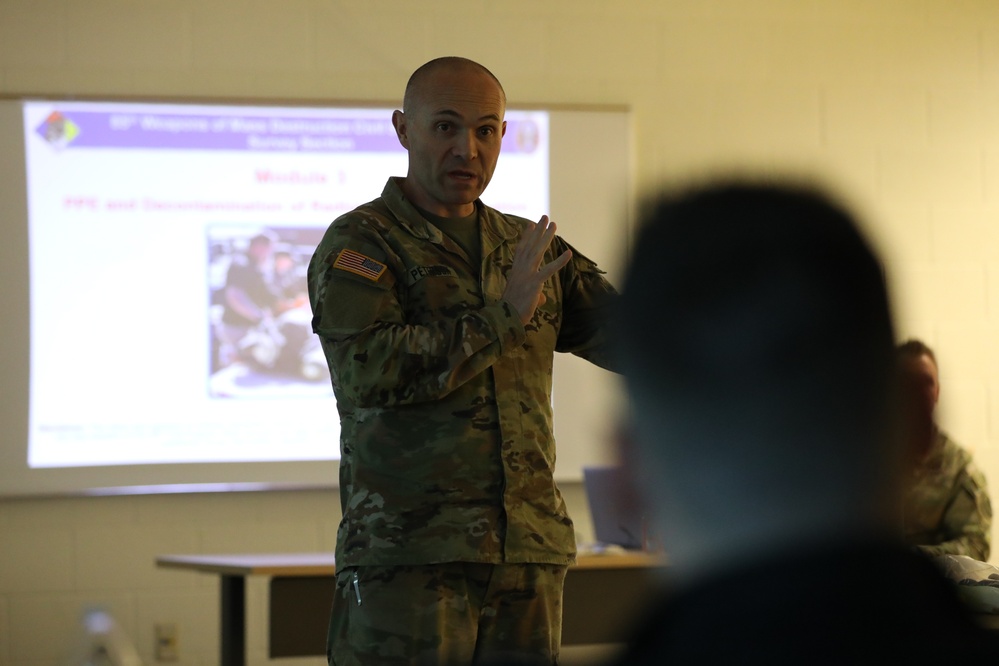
column 128, row 222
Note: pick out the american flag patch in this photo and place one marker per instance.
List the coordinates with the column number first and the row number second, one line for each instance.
column 357, row 263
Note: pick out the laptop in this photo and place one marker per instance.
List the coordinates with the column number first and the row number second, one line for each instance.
column 613, row 523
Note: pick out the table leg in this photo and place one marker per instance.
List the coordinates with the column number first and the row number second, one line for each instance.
column 233, row 598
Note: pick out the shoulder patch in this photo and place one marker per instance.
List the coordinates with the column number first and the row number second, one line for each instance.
column 359, row 264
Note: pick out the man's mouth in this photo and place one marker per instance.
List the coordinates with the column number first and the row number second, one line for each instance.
column 467, row 176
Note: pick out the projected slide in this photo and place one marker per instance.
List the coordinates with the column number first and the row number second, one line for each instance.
column 168, row 247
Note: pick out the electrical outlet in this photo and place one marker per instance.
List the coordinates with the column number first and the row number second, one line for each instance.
column 167, row 642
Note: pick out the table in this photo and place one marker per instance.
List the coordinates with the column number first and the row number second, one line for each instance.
column 603, row 595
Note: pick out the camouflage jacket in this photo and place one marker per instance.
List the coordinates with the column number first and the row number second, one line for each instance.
column 947, row 509
column 444, row 396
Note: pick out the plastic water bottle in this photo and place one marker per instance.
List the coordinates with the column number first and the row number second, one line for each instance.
column 102, row 642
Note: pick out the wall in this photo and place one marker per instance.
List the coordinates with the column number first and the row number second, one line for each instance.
column 893, row 102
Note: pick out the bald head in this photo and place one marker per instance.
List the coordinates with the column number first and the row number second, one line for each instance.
column 427, row 73
column 452, row 126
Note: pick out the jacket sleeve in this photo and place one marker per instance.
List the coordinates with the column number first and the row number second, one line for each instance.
column 588, row 301
column 377, row 357
column 967, row 520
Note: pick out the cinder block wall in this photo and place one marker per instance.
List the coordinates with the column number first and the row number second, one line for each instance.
column 893, row 102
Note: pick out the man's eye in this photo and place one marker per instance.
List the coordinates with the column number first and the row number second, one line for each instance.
column 443, row 127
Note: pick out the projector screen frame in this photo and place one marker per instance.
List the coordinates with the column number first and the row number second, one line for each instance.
column 581, row 426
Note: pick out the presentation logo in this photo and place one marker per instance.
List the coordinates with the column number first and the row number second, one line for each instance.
column 528, row 136
column 58, row 130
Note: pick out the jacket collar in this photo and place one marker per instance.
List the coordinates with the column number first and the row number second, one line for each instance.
column 495, row 227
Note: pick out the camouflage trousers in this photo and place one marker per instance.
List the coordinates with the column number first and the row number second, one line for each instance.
column 452, row 614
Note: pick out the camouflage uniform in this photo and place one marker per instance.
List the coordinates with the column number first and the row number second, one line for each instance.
column 458, row 613
column 444, row 396
column 947, row 509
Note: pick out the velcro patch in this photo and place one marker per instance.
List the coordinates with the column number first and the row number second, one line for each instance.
column 417, row 273
column 359, row 264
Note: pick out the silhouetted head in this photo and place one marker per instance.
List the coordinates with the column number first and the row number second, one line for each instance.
column 757, row 347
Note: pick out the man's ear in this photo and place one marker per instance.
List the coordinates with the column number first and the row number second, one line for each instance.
column 401, row 129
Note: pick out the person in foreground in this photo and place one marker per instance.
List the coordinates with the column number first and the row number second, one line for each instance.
column 757, row 348
column 439, row 317
column 947, row 507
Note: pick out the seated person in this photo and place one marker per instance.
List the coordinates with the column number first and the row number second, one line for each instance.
column 758, row 353
column 947, row 507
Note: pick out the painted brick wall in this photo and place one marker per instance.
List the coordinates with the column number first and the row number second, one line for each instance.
column 893, row 102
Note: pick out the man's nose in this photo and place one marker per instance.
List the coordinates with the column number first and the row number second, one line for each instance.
column 465, row 145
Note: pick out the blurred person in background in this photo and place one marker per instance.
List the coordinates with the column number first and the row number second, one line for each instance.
column 947, row 507
column 763, row 432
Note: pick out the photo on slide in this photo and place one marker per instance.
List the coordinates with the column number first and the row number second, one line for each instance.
column 260, row 321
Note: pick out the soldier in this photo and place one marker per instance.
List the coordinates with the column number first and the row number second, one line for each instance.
column 439, row 317
column 762, row 433
column 947, row 507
